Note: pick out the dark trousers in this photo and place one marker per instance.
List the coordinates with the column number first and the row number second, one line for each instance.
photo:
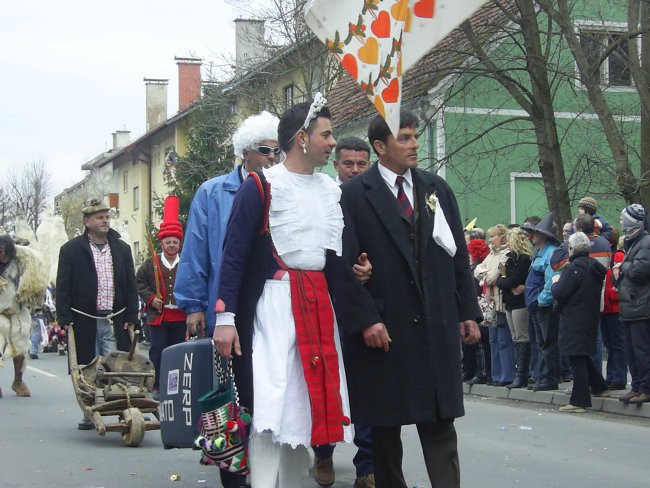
column 534, row 351
column 439, row 446
column 586, row 379
column 638, row 350
column 362, row 459
column 162, row 336
column 614, row 340
column 546, row 333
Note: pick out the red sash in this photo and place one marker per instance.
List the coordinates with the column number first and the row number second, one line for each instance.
column 314, row 318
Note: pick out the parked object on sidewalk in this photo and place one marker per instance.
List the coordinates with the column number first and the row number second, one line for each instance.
column 187, row 371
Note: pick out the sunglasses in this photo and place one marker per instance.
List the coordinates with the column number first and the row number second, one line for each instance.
column 266, row 150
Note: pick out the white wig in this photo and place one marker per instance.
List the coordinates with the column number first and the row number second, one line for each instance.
column 254, row 129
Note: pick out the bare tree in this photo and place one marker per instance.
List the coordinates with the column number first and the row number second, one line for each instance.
column 7, row 212
column 29, row 191
column 289, row 52
column 560, row 12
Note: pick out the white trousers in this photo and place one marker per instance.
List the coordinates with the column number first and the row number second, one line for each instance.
column 271, row 462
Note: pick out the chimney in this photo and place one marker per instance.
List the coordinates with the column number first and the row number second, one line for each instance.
column 189, row 81
column 249, row 42
column 156, row 101
column 120, row 138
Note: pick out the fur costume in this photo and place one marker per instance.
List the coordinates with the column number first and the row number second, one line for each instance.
column 22, row 284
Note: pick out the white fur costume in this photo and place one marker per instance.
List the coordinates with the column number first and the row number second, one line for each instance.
column 22, row 283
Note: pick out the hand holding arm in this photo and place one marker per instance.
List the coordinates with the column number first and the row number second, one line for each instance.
column 195, row 321
column 363, row 269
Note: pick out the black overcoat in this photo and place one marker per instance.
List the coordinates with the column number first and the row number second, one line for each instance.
column 577, row 297
column 76, row 287
column 421, row 301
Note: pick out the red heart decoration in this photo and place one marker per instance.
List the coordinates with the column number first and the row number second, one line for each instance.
column 390, row 94
column 381, row 25
column 349, row 62
column 424, row 8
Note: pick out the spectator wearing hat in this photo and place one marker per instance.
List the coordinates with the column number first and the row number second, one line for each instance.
column 589, row 205
column 96, row 288
column 156, row 279
column 634, row 296
column 539, row 303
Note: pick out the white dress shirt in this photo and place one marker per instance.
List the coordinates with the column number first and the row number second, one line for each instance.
column 390, row 179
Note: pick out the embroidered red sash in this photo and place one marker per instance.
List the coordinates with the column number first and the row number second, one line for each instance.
column 314, row 319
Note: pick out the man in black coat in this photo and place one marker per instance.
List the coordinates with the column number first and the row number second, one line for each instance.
column 96, row 289
column 406, row 368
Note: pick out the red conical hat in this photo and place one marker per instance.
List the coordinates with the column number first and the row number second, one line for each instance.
column 170, row 226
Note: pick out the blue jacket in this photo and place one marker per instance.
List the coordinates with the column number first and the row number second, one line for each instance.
column 198, row 270
column 536, row 278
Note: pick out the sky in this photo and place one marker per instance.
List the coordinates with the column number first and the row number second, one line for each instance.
column 72, row 72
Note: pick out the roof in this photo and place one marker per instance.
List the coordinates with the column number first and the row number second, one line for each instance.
column 349, row 104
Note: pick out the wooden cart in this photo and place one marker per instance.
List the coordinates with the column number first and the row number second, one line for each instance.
column 116, row 385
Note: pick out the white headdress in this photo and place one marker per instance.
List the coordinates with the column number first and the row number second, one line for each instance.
column 315, row 108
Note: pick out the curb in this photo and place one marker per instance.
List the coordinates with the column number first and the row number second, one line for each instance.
column 559, row 398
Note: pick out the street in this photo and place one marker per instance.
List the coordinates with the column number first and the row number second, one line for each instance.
column 502, row 444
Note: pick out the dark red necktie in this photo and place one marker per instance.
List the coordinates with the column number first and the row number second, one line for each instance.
column 402, row 200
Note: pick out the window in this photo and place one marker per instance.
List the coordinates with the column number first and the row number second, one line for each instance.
column 613, row 71
column 288, row 96
column 136, row 197
column 125, row 181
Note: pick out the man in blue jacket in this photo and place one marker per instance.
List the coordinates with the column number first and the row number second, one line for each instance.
column 256, row 143
column 539, row 302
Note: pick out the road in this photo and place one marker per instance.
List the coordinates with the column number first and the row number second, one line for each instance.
column 502, row 444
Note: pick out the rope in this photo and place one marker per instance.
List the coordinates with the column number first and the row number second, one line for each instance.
column 108, row 317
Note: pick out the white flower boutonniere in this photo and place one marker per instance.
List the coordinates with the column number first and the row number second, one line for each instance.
column 432, row 202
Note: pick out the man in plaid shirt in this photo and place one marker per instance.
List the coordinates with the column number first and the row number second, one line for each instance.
column 96, row 288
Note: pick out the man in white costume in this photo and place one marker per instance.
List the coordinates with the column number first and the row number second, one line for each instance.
column 281, row 258
column 22, row 283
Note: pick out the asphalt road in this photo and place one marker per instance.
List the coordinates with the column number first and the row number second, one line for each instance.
column 502, row 444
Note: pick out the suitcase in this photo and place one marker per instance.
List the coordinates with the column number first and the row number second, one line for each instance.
column 187, row 371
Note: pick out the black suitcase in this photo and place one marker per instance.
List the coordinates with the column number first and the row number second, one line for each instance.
column 187, row 371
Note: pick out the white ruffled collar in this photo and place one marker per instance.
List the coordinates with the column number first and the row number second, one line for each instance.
column 284, row 220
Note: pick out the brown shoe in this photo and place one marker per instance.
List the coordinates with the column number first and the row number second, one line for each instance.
column 365, row 481
column 640, row 398
column 602, row 394
column 20, row 388
column 324, row 471
column 625, row 398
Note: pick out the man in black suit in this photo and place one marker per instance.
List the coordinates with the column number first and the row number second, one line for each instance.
column 406, row 369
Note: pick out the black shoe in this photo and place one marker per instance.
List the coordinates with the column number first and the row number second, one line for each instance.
column 33, row 356
column 477, row 380
column 616, row 386
column 567, row 379
column 86, row 424
column 545, row 387
column 501, row 383
column 519, row 382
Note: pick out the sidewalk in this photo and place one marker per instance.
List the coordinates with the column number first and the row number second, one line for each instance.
column 559, row 398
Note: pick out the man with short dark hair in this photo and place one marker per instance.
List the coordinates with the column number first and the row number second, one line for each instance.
column 404, row 365
column 351, row 158
column 96, row 288
column 281, row 260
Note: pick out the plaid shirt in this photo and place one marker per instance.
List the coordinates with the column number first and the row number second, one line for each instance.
column 104, row 266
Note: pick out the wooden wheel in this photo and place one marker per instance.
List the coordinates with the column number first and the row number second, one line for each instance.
column 134, row 429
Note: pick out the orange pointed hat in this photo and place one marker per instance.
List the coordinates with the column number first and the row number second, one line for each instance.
column 170, row 226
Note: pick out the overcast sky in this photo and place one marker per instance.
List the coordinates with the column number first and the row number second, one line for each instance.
column 72, row 72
